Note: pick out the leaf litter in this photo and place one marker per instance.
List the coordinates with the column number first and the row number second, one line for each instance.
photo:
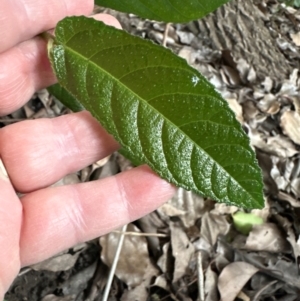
column 160, row 257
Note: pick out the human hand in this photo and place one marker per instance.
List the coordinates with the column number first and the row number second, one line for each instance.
column 38, row 153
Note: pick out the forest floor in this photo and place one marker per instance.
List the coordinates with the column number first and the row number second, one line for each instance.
column 191, row 248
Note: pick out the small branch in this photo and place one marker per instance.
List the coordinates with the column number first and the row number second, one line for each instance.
column 165, row 37
column 142, row 234
column 200, row 276
column 114, row 264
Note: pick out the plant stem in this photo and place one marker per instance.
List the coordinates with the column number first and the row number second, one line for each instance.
column 47, row 36
column 200, row 276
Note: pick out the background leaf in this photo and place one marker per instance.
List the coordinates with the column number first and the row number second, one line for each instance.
column 244, row 222
column 165, row 10
column 162, row 111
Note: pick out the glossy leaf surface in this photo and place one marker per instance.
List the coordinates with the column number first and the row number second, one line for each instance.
column 65, row 97
column 165, row 10
column 161, row 110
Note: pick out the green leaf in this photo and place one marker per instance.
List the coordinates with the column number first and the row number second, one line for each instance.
column 244, row 222
column 65, row 97
column 162, row 111
column 165, row 10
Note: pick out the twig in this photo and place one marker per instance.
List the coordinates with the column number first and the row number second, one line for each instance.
column 24, row 272
column 114, row 264
column 142, row 234
column 165, row 37
column 200, row 276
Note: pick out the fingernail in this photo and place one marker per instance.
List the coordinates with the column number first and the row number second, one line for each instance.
column 3, row 172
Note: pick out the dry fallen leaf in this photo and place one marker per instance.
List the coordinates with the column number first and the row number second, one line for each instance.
column 162, row 262
column 78, row 282
column 188, row 54
column 185, row 37
column 236, row 108
column 212, row 225
column 61, row 262
column 267, row 237
column 151, row 224
column 290, row 123
column 278, row 145
column 233, row 278
column 286, row 197
column 269, row 104
column 242, row 296
column 182, row 250
column 55, row 298
column 169, row 210
column 222, row 209
column 291, row 238
column 140, row 292
column 134, row 258
column 210, row 285
column 230, row 76
column 186, row 205
column 290, row 275
column 67, row 180
column 161, row 281
column 296, row 38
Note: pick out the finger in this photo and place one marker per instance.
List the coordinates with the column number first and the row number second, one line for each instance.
column 38, row 153
column 10, row 228
column 22, row 20
column 57, row 218
column 25, row 69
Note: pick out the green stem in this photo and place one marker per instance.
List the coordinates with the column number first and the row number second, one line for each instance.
column 47, row 36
